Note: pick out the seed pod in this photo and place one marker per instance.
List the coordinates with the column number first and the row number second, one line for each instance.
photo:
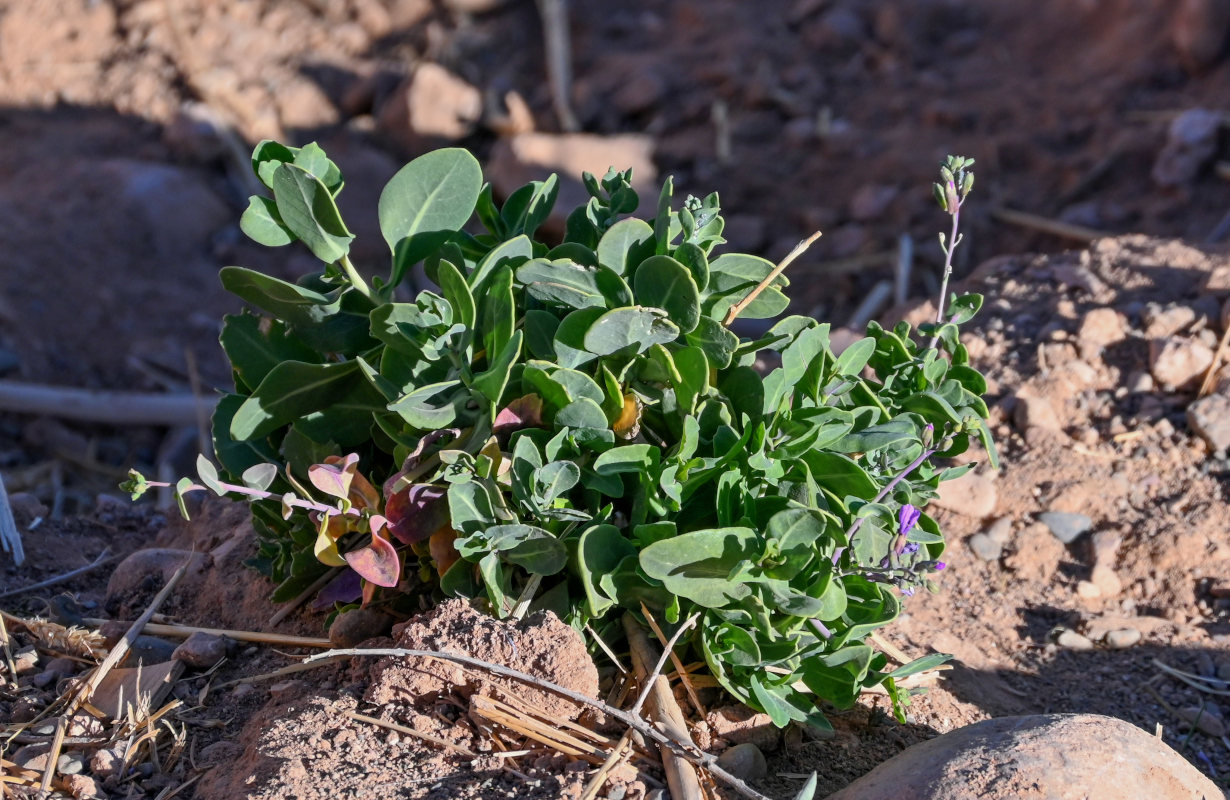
column 938, row 191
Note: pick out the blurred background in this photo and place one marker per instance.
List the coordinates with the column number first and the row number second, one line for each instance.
column 125, row 129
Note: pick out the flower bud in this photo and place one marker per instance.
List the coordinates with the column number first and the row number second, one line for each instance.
column 938, row 192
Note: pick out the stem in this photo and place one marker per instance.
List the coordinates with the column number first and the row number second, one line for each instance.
column 952, row 245
column 798, row 250
column 257, row 494
column 356, row 280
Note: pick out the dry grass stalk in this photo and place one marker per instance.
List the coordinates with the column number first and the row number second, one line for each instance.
column 684, row 677
column 531, row 728
column 426, row 737
column 596, row 783
column 255, row 637
column 72, row 641
column 1064, row 230
column 53, row 757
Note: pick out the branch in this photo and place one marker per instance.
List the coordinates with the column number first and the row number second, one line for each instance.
column 798, row 250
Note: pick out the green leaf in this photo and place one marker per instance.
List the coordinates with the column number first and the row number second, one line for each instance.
column 633, row 458
column 877, row 437
column 493, row 382
column 717, row 342
column 633, row 328
column 291, row 390
column 662, row 222
column 267, row 156
column 930, row 661
column 540, row 330
column 254, row 352
column 259, row 476
column 511, row 254
column 583, row 413
column 855, row 357
column 600, row 550
column 554, row 479
column 263, row 224
column 663, row 282
column 698, row 565
column 692, row 257
column 625, row 245
column 530, row 206
column 570, row 350
column 434, row 193
column 743, row 269
column 291, row 302
column 418, row 413
column 309, row 212
column 457, row 292
column 840, row 474
column 565, row 283
column 470, row 509
column 312, row 158
column 539, row 556
column 208, row 475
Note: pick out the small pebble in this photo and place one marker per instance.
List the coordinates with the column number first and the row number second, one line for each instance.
column 1000, row 530
column 1088, row 590
column 70, row 763
column 1066, row 526
column 985, row 547
column 744, row 761
column 1204, row 721
column 1073, row 641
column 1122, row 638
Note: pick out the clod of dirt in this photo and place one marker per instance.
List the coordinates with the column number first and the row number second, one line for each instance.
column 541, row 645
column 1036, row 757
column 740, row 724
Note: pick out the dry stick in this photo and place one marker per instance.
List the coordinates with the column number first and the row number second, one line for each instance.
column 1064, row 230
column 684, row 677
column 115, row 408
column 53, row 757
column 720, row 115
column 680, row 775
column 1206, row 385
column 10, row 537
column 798, row 250
column 316, row 586
column 256, row 637
column 426, row 737
column 558, row 48
column 121, row 647
column 686, row 749
column 103, row 558
column 622, row 748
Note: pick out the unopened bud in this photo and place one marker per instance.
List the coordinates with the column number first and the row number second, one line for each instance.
column 938, row 191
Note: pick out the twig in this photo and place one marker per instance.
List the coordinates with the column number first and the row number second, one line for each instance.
column 115, row 408
column 680, row 776
column 842, row 266
column 1191, row 680
column 558, row 49
column 103, row 558
column 53, row 757
column 621, row 749
column 606, row 648
column 889, row 648
column 798, row 250
column 680, row 670
column 426, row 737
column 638, row 724
column 122, row 646
column 303, row 596
column 10, row 537
column 667, row 651
column 257, row 637
column 1064, row 230
column 1206, row 385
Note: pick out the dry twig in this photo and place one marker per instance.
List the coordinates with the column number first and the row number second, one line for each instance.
column 115, row 408
column 104, row 557
column 1054, row 227
column 798, row 250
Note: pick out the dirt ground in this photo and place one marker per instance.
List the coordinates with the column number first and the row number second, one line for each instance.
column 124, row 126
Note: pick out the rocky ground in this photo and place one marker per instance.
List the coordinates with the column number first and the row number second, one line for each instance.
column 1087, row 575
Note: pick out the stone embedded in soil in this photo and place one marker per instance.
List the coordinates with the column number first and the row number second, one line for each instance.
column 541, row 645
column 738, row 724
column 1000, row 531
column 106, row 762
column 1203, row 720
column 1036, row 554
column 1102, row 327
column 353, row 627
column 1209, row 417
column 744, row 761
column 1178, row 362
column 1032, row 412
column 432, row 103
column 1108, row 583
column 201, row 650
column 83, row 787
column 149, row 570
column 985, row 547
column 1088, row 590
column 70, row 763
column 1065, row 526
column 1044, row 756
column 1122, row 638
column 1168, row 321
column 1073, row 640
column 971, row 494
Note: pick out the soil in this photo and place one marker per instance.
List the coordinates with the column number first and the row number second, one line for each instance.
column 121, row 195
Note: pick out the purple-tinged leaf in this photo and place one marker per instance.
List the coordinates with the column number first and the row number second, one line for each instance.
column 396, row 483
column 334, row 478
column 523, row 412
column 346, row 587
column 416, row 512
column 377, row 563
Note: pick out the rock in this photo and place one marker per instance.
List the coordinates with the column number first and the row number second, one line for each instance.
column 971, row 494
column 201, row 650
column 1223, row 669
column 1032, row 411
column 1169, row 321
column 303, row 105
column 32, row 756
column 985, row 547
column 83, row 787
column 1209, row 417
column 1106, row 580
column 1203, row 721
column 149, row 570
column 84, row 724
column 64, row 667
column 70, row 763
column 431, row 104
column 739, row 724
column 173, row 207
column 744, row 761
column 1102, row 327
column 1106, row 547
column 517, row 160
column 1000, row 530
column 26, row 660
column 1044, row 756
column 1199, row 32
column 106, row 763
column 1191, row 142
column 1139, row 382
column 1178, row 362
column 1122, row 638
column 1088, row 590
column 1065, row 525
column 357, row 625
column 1073, row 640
column 26, row 507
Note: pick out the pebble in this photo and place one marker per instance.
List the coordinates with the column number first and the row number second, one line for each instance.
column 985, row 547
column 744, row 761
column 106, row 763
column 971, row 494
column 1088, row 590
column 1102, row 327
column 353, row 627
column 26, row 660
column 83, row 787
column 1073, row 640
column 1169, row 321
column 1191, row 142
column 1122, row 638
column 1209, row 417
column 201, row 650
column 1140, row 382
column 431, row 104
column 1178, row 362
column 1000, row 530
column 1035, row 412
column 1203, row 720
column 1106, row 580
column 1065, row 526
column 70, row 763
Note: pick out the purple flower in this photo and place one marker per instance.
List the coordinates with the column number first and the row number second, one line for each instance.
column 907, row 518
column 939, row 565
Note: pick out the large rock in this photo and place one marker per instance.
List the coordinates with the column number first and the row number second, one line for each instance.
column 1044, row 757
column 432, row 105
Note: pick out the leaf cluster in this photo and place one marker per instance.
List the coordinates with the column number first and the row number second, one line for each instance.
column 571, row 426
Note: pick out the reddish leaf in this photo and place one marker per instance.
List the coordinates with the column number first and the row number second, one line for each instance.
column 417, row 512
column 377, row 563
column 398, row 481
column 524, row 412
column 334, row 476
column 346, row 587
